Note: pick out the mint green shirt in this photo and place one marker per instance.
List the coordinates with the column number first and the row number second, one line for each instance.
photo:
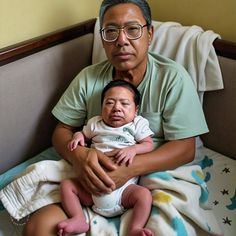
column 169, row 99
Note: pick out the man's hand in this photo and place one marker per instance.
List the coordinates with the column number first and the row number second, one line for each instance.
column 91, row 170
column 90, row 167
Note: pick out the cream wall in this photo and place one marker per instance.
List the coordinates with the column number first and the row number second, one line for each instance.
column 217, row 15
column 23, row 19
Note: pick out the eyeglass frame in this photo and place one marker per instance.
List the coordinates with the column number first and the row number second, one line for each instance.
column 122, row 28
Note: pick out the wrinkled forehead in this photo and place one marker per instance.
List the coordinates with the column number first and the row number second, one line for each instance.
column 119, row 92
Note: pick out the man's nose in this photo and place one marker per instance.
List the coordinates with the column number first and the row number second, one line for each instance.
column 122, row 39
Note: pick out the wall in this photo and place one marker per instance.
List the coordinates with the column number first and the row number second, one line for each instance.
column 217, row 15
column 23, row 19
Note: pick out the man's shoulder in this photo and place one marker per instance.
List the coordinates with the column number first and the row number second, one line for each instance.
column 93, row 76
column 167, row 64
column 97, row 67
column 161, row 60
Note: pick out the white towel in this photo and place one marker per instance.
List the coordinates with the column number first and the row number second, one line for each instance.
column 36, row 187
column 190, row 46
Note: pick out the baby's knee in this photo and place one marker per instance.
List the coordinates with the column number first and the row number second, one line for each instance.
column 145, row 194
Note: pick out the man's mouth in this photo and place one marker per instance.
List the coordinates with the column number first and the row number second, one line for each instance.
column 123, row 55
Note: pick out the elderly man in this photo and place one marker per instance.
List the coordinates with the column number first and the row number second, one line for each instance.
column 169, row 102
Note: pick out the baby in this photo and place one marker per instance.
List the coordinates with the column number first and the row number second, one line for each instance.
column 121, row 134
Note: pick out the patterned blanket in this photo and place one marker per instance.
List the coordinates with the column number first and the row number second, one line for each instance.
column 180, row 200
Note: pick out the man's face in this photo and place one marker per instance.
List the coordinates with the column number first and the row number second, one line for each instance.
column 126, row 54
column 118, row 107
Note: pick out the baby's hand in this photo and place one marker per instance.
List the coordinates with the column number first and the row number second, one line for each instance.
column 78, row 139
column 123, row 156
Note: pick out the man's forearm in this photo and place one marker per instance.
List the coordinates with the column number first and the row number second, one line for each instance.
column 169, row 156
column 61, row 136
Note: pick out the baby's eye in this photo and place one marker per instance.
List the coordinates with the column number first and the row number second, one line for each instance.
column 125, row 104
column 109, row 103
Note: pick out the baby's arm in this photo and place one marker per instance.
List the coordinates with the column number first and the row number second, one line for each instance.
column 126, row 155
column 78, row 139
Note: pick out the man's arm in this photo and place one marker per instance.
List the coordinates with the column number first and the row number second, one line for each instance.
column 93, row 177
column 88, row 168
column 168, row 156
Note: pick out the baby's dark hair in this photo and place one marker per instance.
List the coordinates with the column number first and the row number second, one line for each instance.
column 125, row 84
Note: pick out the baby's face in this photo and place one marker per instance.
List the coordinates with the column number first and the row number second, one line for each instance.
column 118, row 107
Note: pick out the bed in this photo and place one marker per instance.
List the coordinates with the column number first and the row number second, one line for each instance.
column 34, row 74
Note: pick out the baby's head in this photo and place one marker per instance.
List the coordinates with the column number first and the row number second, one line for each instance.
column 120, row 102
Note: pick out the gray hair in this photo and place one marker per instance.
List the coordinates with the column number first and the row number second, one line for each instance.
column 142, row 4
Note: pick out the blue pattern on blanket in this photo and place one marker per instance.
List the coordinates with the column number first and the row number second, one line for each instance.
column 222, row 194
column 205, row 163
column 155, row 211
column 232, row 206
column 115, row 221
column 179, row 227
column 204, row 191
column 161, row 175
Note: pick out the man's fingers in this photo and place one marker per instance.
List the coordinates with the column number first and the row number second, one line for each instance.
column 111, row 153
column 105, row 182
column 98, row 183
column 106, row 162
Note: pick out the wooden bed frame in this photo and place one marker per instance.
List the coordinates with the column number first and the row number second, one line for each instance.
column 9, row 54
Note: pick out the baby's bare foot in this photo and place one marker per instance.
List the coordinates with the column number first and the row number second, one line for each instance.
column 72, row 226
column 141, row 232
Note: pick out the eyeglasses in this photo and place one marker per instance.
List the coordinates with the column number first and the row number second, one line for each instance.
column 132, row 31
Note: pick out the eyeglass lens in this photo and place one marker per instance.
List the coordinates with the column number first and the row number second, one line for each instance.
column 133, row 31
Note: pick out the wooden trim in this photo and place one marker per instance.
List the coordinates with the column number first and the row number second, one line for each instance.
column 12, row 53
column 225, row 48
column 26, row 48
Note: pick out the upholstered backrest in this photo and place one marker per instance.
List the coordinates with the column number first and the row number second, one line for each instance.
column 29, row 88
column 220, row 111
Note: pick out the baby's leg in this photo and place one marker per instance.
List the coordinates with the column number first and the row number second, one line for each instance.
column 72, row 195
column 140, row 199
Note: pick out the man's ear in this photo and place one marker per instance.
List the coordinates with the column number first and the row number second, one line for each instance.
column 136, row 110
column 150, row 34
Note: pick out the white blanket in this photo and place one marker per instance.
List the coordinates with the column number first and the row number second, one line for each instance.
column 190, row 46
column 179, row 200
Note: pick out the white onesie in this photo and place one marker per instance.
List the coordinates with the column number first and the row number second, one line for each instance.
column 106, row 138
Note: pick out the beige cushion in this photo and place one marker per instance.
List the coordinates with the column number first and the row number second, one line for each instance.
column 29, row 88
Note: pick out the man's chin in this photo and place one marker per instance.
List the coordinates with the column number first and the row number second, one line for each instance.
column 123, row 65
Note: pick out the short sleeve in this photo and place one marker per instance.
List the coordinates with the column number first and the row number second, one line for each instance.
column 71, row 108
column 142, row 128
